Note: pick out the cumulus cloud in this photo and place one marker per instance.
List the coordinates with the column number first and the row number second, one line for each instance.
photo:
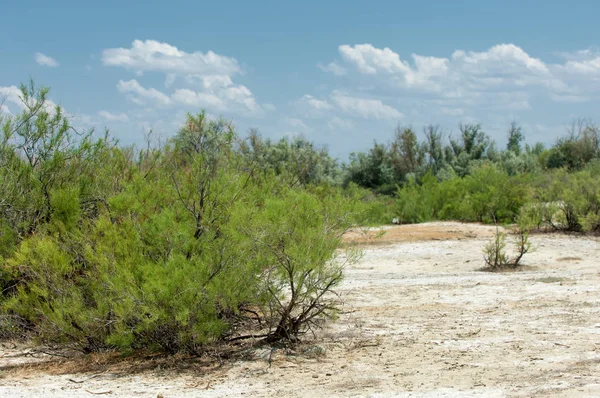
column 141, row 95
column 218, row 92
column 366, row 108
column 503, row 77
column 502, row 65
column 501, row 58
column 12, row 103
column 151, row 55
column 371, row 60
column 269, row 107
column 10, row 95
column 197, row 99
column 452, row 111
column 113, row 117
column 45, row 60
column 340, row 102
column 583, row 64
column 314, row 105
column 333, row 68
column 297, row 123
column 338, row 123
column 200, row 79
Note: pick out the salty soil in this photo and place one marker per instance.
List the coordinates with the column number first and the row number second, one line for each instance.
column 420, row 320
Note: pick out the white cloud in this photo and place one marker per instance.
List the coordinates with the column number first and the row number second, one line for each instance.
column 269, row 107
column 503, row 77
column 170, row 79
column 452, row 111
column 151, row 55
column 212, row 82
column 200, row 79
column 337, row 123
column 315, row 104
column 142, row 96
column 113, row 117
column 10, row 98
column 11, row 103
column 219, row 93
column 502, row 58
column 333, row 68
column 371, row 60
column 297, row 123
column 11, row 95
column 387, row 65
column 504, row 64
column 367, row 108
column 590, row 67
column 197, row 99
column 45, row 60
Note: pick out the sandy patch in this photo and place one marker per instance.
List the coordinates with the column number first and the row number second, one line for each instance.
column 419, row 320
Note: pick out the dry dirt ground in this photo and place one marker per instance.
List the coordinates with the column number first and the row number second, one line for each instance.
column 420, row 320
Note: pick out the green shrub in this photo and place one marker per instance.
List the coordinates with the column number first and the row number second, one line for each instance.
column 173, row 250
column 486, row 195
column 494, row 252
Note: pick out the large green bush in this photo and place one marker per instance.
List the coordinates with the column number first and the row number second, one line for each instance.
column 166, row 249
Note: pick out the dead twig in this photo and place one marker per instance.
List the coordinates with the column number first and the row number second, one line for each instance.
column 84, row 380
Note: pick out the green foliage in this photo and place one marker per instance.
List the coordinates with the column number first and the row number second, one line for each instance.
column 373, row 170
column 419, row 202
column 494, row 196
column 494, row 252
column 433, row 148
column 577, row 149
column 168, row 249
column 371, row 209
column 571, row 201
column 487, row 194
column 294, row 280
column 474, row 142
column 297, row 161
column 515, row 137
column 213, row 237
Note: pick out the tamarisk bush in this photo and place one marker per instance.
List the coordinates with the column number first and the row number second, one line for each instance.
column 494, row 252
column 168, row 248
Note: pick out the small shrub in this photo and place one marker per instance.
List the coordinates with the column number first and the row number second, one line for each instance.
column 494, row 252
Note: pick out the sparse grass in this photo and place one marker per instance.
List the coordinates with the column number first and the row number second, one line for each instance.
column 569, row 259
column 112, row 362
column 494, row 252
column 552, row 279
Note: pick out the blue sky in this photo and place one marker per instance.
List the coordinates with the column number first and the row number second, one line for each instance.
column 341, row 73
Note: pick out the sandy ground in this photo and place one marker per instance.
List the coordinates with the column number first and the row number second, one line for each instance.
column 420, row 320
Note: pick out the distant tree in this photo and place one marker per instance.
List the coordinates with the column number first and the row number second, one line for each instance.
column 299, row 161
column 406, row 154
column 515, row 138
column 434, row 147
column 577, row 148
column 473, row 141
column 373, row 170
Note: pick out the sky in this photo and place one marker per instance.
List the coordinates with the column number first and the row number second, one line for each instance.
column 340, row 73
